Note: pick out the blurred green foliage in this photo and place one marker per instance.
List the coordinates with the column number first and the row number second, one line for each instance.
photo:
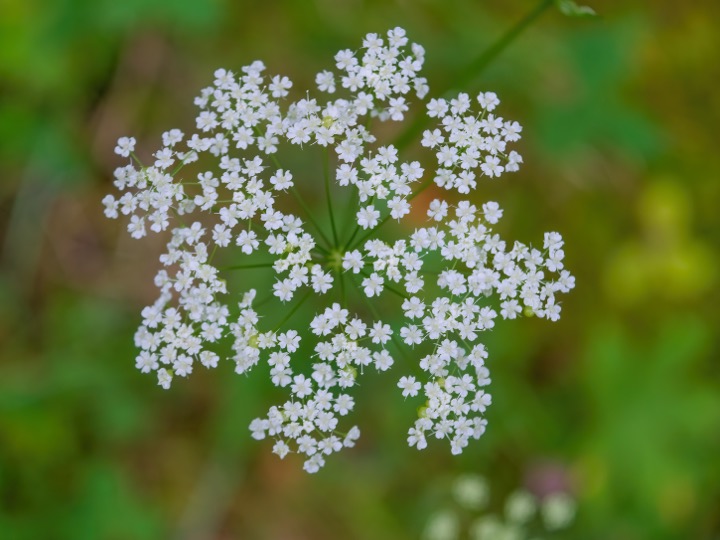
column 618, row 402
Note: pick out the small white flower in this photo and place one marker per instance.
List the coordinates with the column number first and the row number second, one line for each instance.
column 279, row 86
column 281, row 180
column 373, row 285
column 368, row 217
column 492, row 212
column 125, row 146
column 438, row 210
column 399, row 207
column 281, row 449
column 437, row 108
column 136, row 227
column 380, row 333
column 488, row 100
column 352, row 260
column 301, row 386
column 409, row 386
column 247, row 240
column 164, row 378
column 491, row 167
column 172, row 137
column 325, row 81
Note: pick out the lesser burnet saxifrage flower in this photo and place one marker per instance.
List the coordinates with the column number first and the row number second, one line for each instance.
column 450, row 279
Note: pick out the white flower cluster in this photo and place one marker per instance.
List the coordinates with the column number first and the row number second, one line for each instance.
column 479, row 265
column 452, row 277
column 465, row 141
column 310, row 417
column 523, row 513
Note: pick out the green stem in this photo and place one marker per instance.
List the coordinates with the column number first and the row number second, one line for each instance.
column 483, row 61
column 353, row 203
column 352, row 237
column 134, row 156
column 476, row 67
column 388, row 287
column 384, row 220
column 244, row 266
column 326, row 172
column 321, row 249
column 297, row 196
column 182, row 163
column 308, row 212
column 293, row 310
column 341, row 277
column 374, row 312
column 357, row 228
column 264, row 301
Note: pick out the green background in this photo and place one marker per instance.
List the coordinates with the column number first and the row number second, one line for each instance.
column 618, row 402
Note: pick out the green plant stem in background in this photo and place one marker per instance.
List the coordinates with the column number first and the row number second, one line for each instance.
column 249, row 265
column 304, row 206
column 309, row 215
column 384, row 220
column 293, row 310
column 341, row 277
column 349, row 216
column 374, row 312
column 326, row 173
column 388, row 287
column 468, row 75
column 357, row 228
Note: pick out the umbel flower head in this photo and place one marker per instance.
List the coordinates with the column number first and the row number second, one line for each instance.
column 442, row 284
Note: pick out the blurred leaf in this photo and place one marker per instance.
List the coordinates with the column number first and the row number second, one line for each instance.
column 107, row 509
column 586, row 103
column 187, row 16
column 643, row 397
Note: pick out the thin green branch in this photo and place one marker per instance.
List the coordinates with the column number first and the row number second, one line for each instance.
column 475, row 68
column 384, row 220
column 245, row 266
column 376, row 314
column 326, row 172
column 388, row 287
column 293, row 310
column 264, row 301
column 350, row 214
column 299, row 199
column 341, row 277
column 357, row 228
column 479, row 65
column 308, row 212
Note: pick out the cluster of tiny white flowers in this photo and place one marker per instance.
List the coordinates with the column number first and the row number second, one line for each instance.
column 445, row 274
column 310, row 418
column 465, row 141
column 480, row 265
column 469, row 514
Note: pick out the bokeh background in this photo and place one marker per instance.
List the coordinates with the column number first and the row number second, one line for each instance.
column 619, row 402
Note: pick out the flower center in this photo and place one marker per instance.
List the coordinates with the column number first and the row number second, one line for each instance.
column 334, row 260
